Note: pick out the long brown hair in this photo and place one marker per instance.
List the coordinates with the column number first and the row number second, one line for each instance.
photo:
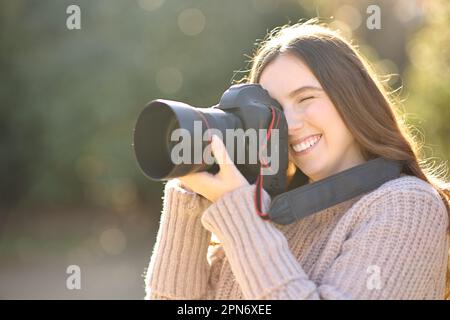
column 363, row 101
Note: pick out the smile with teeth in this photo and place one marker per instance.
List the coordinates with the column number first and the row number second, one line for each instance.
column 306, row 145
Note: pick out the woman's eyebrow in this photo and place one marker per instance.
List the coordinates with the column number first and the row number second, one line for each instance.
column 303, row 89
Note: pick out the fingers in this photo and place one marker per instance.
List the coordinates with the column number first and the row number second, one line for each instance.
column 213, row 186
column 220, row 153
column 184, row 184
column 198, row 182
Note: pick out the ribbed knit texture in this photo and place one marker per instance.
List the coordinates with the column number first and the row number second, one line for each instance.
column 179, row 268
column 390, row 243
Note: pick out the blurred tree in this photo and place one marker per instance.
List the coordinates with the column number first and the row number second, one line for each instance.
column 20, row 122
column 427, row 80
column 70, row 97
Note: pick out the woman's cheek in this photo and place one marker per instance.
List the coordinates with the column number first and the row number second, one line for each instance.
column 317, row 116
column 321, row 118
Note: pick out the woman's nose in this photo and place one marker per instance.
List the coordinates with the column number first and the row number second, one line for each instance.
column 294, row 122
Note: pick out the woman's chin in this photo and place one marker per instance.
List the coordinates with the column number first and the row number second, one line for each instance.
column 311, row 169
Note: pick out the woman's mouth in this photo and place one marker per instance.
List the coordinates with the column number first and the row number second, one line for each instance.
column 306, row 146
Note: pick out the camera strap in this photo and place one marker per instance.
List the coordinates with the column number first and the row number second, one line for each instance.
column 263, row 163
column 307, row 199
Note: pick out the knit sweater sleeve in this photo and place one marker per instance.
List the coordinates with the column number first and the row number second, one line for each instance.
column 178, row 267
column 400, row 238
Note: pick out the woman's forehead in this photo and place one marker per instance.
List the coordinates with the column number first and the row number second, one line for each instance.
column 285, row 74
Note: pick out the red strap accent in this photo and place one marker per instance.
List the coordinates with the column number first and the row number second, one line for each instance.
column 263, row 163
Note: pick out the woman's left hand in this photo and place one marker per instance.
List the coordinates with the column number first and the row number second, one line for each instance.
column 214, row 186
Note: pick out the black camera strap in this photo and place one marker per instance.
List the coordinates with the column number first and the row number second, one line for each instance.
column 307, row 199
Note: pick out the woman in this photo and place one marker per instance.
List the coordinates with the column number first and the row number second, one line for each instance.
column 390, row 243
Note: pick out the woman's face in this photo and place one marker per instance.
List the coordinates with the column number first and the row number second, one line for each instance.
column 309, row 112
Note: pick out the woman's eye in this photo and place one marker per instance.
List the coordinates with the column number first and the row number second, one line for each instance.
column 306, row 98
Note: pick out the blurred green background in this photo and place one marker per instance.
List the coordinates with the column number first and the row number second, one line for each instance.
column 71, row 191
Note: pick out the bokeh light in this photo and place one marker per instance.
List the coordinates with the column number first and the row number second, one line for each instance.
column 191, row 21
column 150, row 5
column 169, row 80
column 113, row 241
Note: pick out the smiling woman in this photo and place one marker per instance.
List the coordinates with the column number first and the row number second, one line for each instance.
column 390, row 243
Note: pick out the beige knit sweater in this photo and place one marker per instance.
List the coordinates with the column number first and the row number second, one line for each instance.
column 390, row 243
